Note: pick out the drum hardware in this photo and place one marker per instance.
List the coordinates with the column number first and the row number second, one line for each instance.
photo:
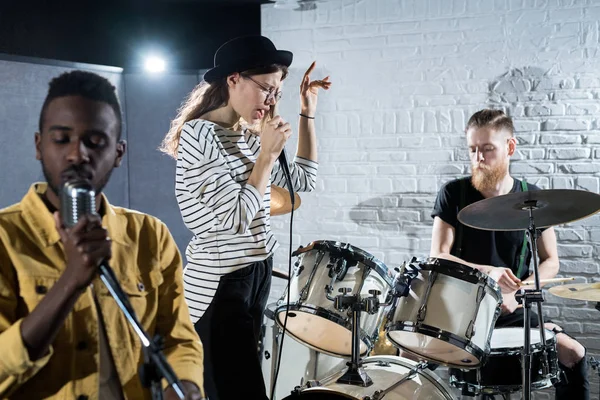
column 423, row 308
column 337, row 272
column 534, row 296
column 471, row 327
column 520, row 211
column 304, row 290
column 338, row 268
column 527, row 297
column 356, row 375
column 403, row 280
column 595, row 364
column 411, row 374
column 529, row 203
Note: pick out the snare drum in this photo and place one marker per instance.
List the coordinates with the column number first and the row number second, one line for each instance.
column 501, row 373
column 449, row 314
column 385, row 372
column 324, row 267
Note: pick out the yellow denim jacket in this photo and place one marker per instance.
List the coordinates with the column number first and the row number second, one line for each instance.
column 148, row 266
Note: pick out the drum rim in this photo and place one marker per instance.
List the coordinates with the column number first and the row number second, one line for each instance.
column 371, row 261
column 435, row 263
column 430, row 375
column 328, row 315
column 270, row 313
column 550, row 340
column 436, row 333
column 496, row 389
column 426, row 374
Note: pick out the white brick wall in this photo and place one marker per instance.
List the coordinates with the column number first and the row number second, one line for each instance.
column 407, row 75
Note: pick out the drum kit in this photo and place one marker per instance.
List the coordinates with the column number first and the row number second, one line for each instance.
column 435, row 311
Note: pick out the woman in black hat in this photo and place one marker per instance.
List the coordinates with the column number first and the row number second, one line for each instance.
column 226, row 139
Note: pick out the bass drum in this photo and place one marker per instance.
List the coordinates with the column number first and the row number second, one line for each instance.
column 299, row 363
column 385, row 371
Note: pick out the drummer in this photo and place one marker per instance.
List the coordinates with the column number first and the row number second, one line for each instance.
column 503, row 255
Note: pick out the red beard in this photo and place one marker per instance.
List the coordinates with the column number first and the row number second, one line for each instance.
column 485, row 178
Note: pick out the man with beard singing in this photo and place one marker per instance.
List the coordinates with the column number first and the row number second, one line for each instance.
column 503, row 255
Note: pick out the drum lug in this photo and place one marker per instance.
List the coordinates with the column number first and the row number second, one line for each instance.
column 383, row 364
column 470, row 329
column 421, row 314
column 304, row 292
column 423, row 309
column 480, row 295
column 298, row 268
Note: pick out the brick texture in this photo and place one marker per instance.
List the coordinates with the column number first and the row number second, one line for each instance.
column 407, row 75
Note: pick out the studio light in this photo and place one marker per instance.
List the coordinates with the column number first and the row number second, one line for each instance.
column 154, row 64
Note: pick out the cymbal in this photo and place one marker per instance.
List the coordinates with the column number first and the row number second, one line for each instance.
column 281, row 202
column 510, row 212
column 578, row 291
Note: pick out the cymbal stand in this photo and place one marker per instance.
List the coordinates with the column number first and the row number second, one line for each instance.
column 527, row 297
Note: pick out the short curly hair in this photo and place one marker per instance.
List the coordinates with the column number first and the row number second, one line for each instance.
column 85, row 84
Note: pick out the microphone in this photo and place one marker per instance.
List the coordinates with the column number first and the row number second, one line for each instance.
column 286, row 171
column 78, row 198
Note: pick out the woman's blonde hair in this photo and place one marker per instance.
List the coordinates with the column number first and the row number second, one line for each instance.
column 207, row 97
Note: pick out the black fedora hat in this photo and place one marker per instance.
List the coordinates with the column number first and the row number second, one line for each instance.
column 244, row 53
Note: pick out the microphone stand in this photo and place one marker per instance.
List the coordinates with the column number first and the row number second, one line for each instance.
column 77, row 198
column 155, row 365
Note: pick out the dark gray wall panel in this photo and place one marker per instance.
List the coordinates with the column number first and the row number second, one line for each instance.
column 24, row 86
column 152, row 102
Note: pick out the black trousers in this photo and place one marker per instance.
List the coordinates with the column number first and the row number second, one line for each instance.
column 230, row 331
column 574, row 383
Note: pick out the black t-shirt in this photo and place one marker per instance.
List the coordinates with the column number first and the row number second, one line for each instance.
column 497, row 248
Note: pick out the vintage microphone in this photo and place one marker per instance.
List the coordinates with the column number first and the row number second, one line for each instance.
column 78, row 198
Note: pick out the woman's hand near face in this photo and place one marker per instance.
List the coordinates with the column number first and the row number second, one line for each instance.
column 274, row 136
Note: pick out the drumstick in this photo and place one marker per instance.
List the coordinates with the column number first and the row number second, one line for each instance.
column 543, row 281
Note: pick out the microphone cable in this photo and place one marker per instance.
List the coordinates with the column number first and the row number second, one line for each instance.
column 289, row 279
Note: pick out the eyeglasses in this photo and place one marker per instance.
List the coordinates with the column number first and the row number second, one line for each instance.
column 270, row 92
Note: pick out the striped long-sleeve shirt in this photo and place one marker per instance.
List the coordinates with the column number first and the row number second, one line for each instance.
column 229, row 219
